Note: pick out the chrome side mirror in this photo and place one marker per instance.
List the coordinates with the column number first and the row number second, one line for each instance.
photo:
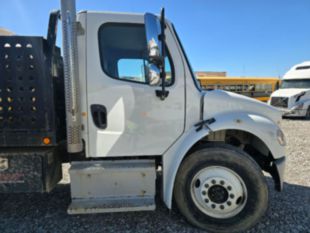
column 156, row 42
column 153, row 32
column 153, row 74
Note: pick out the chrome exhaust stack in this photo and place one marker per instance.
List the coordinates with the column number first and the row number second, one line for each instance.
column 71, row 75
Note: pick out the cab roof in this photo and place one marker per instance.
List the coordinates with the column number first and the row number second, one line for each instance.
column 299, row 71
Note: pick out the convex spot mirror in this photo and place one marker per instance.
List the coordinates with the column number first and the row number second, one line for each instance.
column 153, row 73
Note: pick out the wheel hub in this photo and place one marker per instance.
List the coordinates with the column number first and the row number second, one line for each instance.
column 218, row 192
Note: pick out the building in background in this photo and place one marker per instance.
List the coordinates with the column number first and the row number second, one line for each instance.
column 5, row 32
column 211, row 74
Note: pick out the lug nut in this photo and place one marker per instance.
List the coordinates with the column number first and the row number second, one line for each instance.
column 213, row 182
column 206, row 186
column 229, row 188
column 204, row 192
column 229, row 203
column 206, row 200
column 213, row 206
column 222, row 207
column 232, row 196
column 222, row 182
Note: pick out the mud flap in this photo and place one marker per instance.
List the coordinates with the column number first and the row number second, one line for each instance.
column 29, row 170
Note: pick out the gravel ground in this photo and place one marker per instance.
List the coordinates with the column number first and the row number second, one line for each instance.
column 289, row 211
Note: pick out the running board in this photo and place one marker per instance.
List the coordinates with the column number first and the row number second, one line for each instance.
column 109, row 206
column 112, row 186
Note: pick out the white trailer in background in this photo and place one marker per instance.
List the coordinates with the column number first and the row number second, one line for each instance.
column 134, row 114
column 293, row 97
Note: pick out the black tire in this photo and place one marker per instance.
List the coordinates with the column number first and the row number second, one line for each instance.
column 307, row 117
column 240, row 163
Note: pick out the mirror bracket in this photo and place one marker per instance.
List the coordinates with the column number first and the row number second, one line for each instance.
column 162, row 94
column 156, row 44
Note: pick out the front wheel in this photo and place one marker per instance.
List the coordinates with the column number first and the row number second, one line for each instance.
column 221, row 189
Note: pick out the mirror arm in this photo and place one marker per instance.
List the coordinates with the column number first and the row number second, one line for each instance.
column 162, row 94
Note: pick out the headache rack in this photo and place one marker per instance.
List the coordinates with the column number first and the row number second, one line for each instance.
column 32, row 111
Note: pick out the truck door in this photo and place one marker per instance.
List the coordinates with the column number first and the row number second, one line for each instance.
column 125, row 117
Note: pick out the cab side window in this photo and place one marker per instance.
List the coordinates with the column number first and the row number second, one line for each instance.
column 123, row 52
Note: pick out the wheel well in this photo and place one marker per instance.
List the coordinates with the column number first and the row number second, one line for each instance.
column 245, row 141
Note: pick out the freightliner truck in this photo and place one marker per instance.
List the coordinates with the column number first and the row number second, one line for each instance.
column 293, row 97
column 122, row 105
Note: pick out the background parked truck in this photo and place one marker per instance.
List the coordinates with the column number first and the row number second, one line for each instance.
column 293, row 97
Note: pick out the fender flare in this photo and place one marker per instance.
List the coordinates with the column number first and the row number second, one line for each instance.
column 260, row 126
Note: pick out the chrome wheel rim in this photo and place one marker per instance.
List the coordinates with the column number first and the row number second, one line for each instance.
column 218, row 192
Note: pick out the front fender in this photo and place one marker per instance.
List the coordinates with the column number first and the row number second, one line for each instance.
column 255, row 124
column 260, row 126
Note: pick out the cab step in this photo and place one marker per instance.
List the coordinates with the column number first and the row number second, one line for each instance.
column 112, row 186
column 109, row 206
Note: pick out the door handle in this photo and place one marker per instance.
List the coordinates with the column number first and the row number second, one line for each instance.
column 99, row 114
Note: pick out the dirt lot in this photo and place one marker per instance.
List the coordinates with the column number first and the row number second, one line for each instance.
column 289, row 211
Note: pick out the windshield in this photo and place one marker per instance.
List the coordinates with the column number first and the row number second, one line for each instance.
column 187, row 61
column 295, row 83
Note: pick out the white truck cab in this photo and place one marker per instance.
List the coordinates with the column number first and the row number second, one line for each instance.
column 116, row 76
column 135, row 114
column 293, row 97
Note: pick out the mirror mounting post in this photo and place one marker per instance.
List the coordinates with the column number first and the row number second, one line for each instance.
column 162, row 94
